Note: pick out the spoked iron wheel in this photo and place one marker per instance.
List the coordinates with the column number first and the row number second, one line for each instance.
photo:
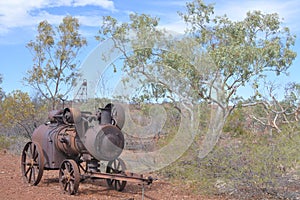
column 69, row 176
column 116, row 167
column 32, row 163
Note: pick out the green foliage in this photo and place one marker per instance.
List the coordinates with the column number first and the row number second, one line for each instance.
column 149, row 62
column 55, row 50
column 171, row 125
column 20, row 113
column 14, row 144
column 210, row 63
column 236, row 123
column 4, row 142
column 247, row 166
column 241, row 50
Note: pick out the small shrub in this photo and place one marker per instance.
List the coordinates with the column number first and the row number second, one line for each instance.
column 247, row 167
column 4, row 142
column 14, row 144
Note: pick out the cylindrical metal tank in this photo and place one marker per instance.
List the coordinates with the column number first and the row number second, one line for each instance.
column 45, row 136
column 67, row 135
column 68, row 142
column 104, row 142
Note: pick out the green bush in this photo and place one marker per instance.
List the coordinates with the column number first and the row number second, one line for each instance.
column 236, row 123
column 5, row 142
column 248, row 166
column 14, row 144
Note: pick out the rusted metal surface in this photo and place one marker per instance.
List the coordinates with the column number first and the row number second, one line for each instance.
column 104, row 142
column 46, row 136
column 68, row 142
column 69, row 176
column 74, row 143
column 130, row 177
column 32, row 163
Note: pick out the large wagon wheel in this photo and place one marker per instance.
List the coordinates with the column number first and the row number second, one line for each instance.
column 116, row 166
column 69, row 176
column 32, row 163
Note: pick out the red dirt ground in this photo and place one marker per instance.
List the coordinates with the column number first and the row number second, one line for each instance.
column 12, row 186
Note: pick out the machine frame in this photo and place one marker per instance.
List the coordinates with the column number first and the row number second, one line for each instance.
column 58, row 145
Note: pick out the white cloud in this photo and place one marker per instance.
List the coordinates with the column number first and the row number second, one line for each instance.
column 103, row 3
column 22, row 13
column 236, row 10
column 27, row 13
column 289, row 10
column 179, row 3
column 89, row 20
column 176, row 26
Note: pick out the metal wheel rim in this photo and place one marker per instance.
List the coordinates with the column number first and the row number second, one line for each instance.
column 116, row 166
column 69, row 176
column 32, row 163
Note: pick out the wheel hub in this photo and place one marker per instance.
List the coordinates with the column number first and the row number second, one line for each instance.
column 67, row 175
column 31, row 162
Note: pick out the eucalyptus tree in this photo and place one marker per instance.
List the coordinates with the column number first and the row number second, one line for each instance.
column 19, row 114
column 55, row 63
column 209, row 63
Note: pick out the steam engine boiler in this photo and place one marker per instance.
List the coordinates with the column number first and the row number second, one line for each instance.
column 74, row 143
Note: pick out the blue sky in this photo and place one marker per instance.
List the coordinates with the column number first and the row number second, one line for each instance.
column 19, row 19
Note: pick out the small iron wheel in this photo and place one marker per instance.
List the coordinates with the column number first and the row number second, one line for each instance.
column 69, row 176
column 32, row 163
column 116, row 166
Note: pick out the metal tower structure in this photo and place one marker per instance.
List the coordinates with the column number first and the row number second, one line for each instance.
column 81, row 95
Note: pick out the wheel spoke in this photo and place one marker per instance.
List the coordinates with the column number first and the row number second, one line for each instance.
column 32, row 163
column 27, row 154
column 32, row 151
column 67, row 166
column 118, row 167
column 117, row 185
column 115, row 164
column 33, row 174
column 30, row 175
column 27, row 171
column 71, row 186
column 24, row 163
column 66, row 184
column 29, row 151
column 36, row 156
column 69, row 176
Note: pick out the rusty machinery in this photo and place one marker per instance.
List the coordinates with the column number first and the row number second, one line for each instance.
column 74, row 143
